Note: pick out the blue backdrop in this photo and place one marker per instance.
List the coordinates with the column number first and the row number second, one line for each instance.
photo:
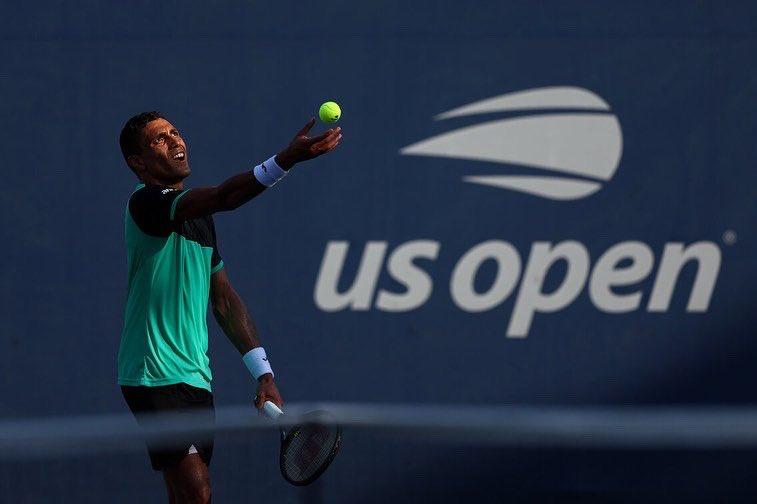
column 240, row 78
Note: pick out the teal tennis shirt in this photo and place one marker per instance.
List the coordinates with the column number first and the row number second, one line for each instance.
column 165, row 335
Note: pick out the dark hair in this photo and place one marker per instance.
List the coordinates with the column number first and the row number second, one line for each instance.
column 132, row 132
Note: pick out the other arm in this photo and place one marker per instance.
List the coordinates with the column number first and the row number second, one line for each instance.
column 241, row 188
column 233, row 317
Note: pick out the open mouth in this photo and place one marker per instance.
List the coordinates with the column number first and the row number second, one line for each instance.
column 179, row 156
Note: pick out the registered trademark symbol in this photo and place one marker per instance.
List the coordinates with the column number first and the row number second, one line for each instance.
column 729, row 237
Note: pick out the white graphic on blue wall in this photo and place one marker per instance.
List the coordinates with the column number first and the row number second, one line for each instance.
column 569, row 148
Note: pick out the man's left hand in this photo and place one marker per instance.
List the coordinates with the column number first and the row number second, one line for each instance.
column 303, row 147
column 267, row 391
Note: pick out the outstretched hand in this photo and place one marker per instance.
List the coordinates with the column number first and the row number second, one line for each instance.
column 303, row 147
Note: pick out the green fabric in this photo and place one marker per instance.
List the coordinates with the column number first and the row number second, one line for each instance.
column 165, row 335
column 175, row 201
column 217, row 267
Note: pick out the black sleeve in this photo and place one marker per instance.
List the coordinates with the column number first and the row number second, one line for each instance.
column 216, row 263
column 152, row 208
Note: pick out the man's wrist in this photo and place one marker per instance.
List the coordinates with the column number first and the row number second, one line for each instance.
column 257, row 363
column 269, row 172
column 285, row 160
column 268, row 377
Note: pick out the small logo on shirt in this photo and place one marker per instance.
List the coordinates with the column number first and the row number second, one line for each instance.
column 168, row 190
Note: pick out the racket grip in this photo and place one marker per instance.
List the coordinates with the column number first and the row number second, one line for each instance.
column 271, row 410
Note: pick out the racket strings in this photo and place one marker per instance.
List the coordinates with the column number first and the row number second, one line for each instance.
column 308, row 450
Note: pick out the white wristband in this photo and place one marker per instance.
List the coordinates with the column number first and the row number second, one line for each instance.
column 269, row 172
column 257, row 362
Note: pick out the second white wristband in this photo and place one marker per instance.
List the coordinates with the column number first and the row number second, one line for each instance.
column 257, row 362
column 269, row 172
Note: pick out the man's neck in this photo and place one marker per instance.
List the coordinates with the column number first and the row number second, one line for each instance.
column 174, row 185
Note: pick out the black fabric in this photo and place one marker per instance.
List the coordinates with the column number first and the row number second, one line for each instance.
column 215, row 259
column 150, row 207
column 203, row 231
column 173, row 399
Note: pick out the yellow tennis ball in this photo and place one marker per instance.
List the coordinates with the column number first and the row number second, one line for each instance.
column 329, row 112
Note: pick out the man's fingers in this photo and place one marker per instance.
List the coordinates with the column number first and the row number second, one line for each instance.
column 259, row 400
column 323, row 136
column 335, row 142
column 305, row 129
column 332, row 137
column 320, row 138
column 328, row 144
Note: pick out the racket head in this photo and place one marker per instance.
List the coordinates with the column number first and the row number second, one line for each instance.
column 309, row 447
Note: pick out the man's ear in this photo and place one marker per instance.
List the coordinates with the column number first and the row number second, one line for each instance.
column 136, row 164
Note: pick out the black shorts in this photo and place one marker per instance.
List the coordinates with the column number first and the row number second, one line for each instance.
column 173, row 399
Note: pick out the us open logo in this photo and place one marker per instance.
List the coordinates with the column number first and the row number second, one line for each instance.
column 566, row 143
column 567, row 148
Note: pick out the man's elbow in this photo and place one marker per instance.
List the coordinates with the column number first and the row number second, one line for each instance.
column 227, row 199
column 220, row 307
column 218, row 199
column 221, row 200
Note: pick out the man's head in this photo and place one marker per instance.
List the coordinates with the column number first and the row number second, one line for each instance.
column 154, row 149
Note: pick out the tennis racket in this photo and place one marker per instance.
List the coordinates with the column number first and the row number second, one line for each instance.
column 309, row 447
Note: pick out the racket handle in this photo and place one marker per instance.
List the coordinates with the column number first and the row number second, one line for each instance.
column 271, row 410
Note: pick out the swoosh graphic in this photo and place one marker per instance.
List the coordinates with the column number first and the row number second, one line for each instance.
column 586, row 144
column 557, row 97
column 556, row 188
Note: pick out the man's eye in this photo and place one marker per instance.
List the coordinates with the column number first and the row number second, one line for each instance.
column 160, row 140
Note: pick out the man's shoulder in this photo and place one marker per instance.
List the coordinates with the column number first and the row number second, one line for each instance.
column 151, row 207
column 142, row 190
column 151, row 196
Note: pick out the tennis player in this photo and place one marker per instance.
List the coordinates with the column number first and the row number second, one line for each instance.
column 174, row 266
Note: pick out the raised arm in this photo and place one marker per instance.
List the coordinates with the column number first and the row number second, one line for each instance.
column 233, row 317
column 241, row 188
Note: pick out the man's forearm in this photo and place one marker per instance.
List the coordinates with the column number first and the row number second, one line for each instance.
column 235, row 320
column 239, row 189
column 229, row 195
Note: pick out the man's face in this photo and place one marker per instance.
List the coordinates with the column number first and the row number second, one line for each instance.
column 164, row 157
